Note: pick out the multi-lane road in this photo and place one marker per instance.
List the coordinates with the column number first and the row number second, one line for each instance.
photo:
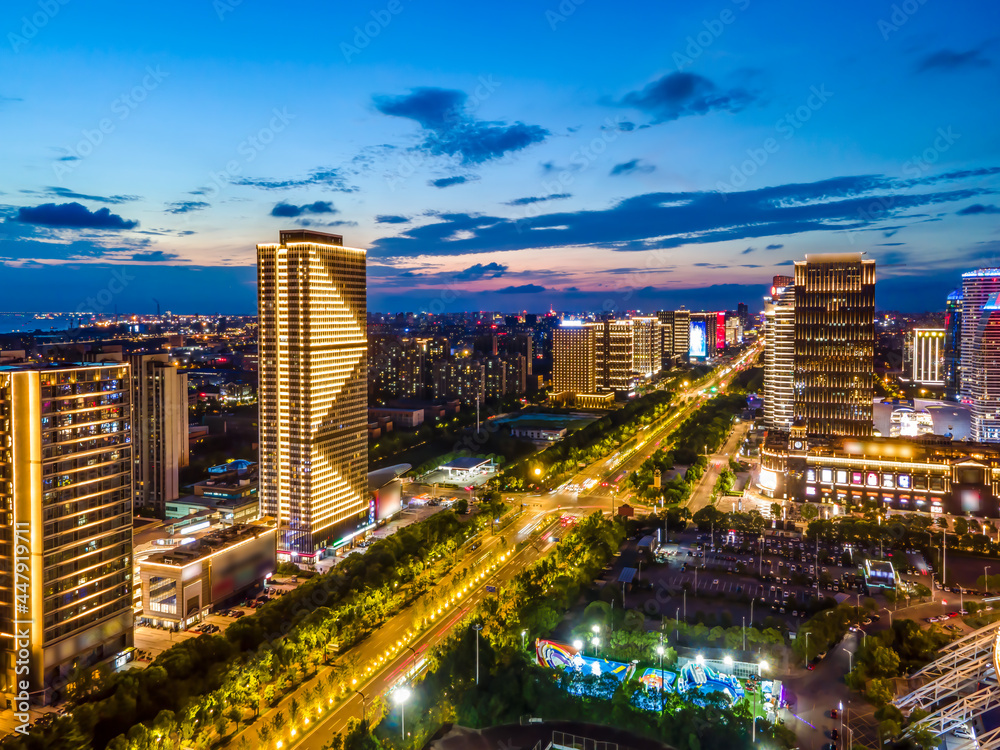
column 396, row 651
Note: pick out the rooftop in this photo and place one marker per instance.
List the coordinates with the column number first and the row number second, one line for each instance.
column 211, row 543
column 465, row 463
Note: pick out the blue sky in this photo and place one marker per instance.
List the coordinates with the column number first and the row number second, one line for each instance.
column 578, row 155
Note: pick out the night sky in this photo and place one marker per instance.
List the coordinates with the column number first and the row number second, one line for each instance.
column 515, row 156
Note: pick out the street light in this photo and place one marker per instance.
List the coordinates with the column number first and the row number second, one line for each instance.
column 523, row 634
column 578, row 644
column 727, row 660
column 850, row 661
column 402, row 695
column 986, row 580
column 597, row 642
column 477, row 627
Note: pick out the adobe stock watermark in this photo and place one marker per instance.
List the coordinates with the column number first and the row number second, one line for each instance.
column 23, row 624
column 786, row 126
column 901, row 13
column 98, row 303
column 249, row 148
column 916, row 166
column 122, row 107
column 363, row 35
column 697, row 44
column 223, row 8
column 582, row 158
column 409, row 162
column 562, row 12
column 31, row 25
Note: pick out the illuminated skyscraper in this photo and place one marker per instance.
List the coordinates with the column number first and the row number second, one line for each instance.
column 66, row 516
column 647, row 345
column 779, row 354
column 313, row 411
column 835, row 344
column 574, row 358
column 160, row 429
column 984, row 373
column 977, row 287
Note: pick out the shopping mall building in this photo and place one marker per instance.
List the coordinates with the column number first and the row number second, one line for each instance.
column 929, row 474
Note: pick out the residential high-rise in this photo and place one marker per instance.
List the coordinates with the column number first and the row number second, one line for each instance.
column 313, row 412
column 977, row 287
column 928, row 356
column 66, row 535
column 953, row 345
column 464, row 379
column 983, row 383
column 779, row 354
column 574, row 358
column 667, row 354
column 682, row 333
column 159, row 430
column 835, row 344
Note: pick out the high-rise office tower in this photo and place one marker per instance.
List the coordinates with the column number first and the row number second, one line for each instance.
column 835, row 343
column 574, row 358
column 159, row 430
column 977, row 287
column 743, row 314
column 647, row 343
column 779, row 354
column 983, row 382
column 927, row 356
column 313, row 413
column 682, row 333
column 616, row 371
column 66, row 531
column 953, row 345
column 666, row 318
column 704, row 335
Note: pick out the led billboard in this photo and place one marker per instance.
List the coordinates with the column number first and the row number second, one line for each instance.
column 698, row 346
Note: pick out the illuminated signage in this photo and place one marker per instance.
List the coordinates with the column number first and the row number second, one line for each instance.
column 810, row 490
column 903, row 481
column 810, row 475
column 698, row 347
column 826, row 475
column 841, row 476
column 888, row 481
column 871, row 479
column 856, row 477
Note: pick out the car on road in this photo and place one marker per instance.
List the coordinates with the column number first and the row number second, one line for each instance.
column 833, row 713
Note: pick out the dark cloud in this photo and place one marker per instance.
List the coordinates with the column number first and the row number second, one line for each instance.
column 72, row 215
column 677, row 95
column 452, row 131
column 538, row 199
column 154, row 256
column 482, row 271
column 786, row 263
column 448, row 181
column 654, row 221
column 391, row 219
column 748, row 251
column 749, row 265
column 323, row 177
column 314, row 223
column 185, row 207
column 61, row 192
column 774, row 247
column 289, row 210
column 946, row 59
column 978, row 208
column 522, row 289
column 635, row 166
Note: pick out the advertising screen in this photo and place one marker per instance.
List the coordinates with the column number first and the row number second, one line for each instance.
column 699, row 346
column 826, row 475
column 768, row 479
column 856, row 477
column 720, row 331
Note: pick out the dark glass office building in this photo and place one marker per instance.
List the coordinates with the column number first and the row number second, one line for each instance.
column 953, row 345
column 835, row 344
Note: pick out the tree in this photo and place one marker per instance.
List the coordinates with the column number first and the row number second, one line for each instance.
column 808, row 511
column 961, row 526
column 880, row 692
column 884, row 662
column 462, row 506
column 775, row 510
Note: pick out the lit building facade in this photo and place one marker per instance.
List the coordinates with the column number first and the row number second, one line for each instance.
column 464, row 379
column 66, row 501
column 779, row 354
column 977, row 287
column 574, row 358
column 159, row 430
column 929, row 475
column 616, row 372
column 647, row 345
column 835, row 344
column 983, row 373
column 313, row 383
column 927, row 356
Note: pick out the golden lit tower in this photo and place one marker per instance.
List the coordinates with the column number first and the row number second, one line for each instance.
column 313, row 391
column 65, row 521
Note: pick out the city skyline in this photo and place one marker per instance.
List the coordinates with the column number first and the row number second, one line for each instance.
column 689, row 169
